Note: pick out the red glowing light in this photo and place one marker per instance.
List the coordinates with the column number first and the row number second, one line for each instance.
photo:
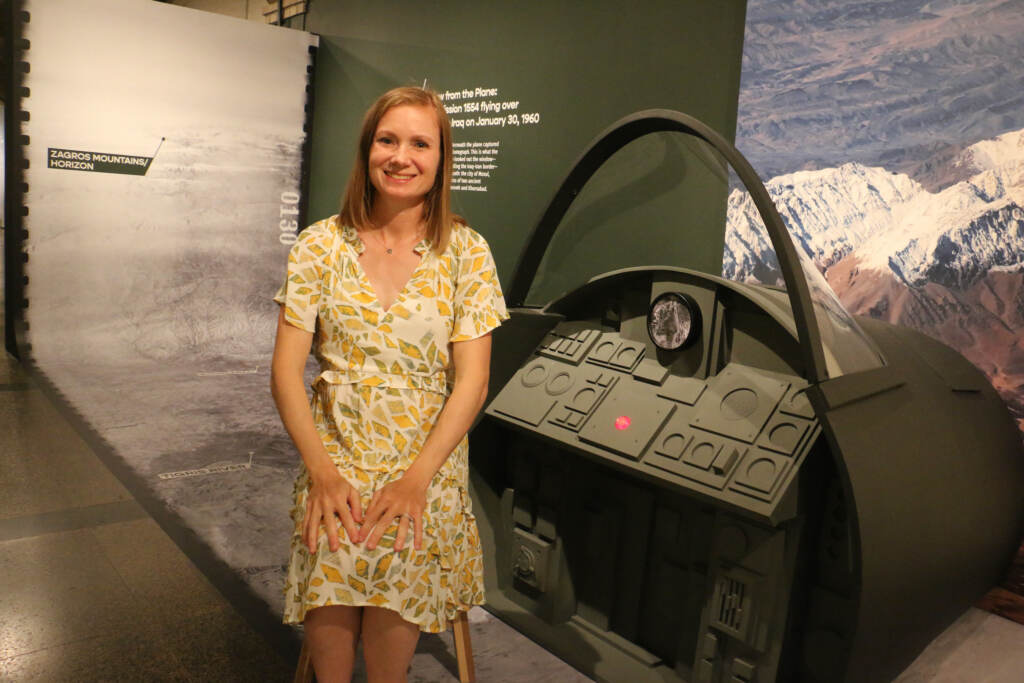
column 622, row 422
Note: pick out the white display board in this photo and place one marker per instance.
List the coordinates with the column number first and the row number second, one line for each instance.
column 164, row 181
column 164, row 264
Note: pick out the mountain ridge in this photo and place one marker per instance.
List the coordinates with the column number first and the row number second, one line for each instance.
column 893, row 222
column 876, row 81
column 948, row 263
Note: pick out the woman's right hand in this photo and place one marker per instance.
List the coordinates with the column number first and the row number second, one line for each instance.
column 331, row 497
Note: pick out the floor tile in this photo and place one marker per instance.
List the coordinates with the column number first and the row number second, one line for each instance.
column 59, row 588
column 155, row 571
column 220, row 646
column 47, row 466
column 124, row 658
column 11, row 371
column 70, row 519
column 977, row 648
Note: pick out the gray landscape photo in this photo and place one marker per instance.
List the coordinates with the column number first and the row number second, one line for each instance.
column 150, row 295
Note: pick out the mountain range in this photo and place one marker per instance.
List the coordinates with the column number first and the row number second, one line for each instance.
column 902, row 84
column 949, row 263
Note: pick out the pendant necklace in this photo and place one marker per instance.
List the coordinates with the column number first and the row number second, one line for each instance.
column 387, row 250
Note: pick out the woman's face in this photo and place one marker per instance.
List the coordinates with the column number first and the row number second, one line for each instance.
column 405, row 154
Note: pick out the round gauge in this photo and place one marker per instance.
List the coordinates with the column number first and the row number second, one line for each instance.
column 673, row 321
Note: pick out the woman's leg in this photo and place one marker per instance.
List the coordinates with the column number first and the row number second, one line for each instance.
column 332, row 634
column 389, row 642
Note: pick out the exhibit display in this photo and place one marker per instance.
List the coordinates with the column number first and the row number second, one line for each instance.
column 162, row 194
column 685, row 478
column 679, row 476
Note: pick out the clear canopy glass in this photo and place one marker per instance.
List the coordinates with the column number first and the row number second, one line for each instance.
column 654, row 203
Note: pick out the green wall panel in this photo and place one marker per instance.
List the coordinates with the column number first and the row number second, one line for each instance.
column 580, row 66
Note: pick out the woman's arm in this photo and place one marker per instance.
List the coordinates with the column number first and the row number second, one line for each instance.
column 407, row 497
column 329, row 494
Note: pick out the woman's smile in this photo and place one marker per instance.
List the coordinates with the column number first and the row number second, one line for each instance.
column 401, row 177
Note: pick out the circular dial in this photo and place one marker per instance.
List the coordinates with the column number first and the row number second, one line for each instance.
column 673, row 321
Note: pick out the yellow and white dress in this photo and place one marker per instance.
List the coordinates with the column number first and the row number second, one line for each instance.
column 385, row 375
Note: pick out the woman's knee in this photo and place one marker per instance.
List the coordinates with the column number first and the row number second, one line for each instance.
column 334, row 619
column 389, row 642
column 332, row 634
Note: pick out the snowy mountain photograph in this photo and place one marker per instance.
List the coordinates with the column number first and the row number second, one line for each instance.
column 891, row 137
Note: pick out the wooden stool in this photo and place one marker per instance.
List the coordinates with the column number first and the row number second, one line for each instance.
column 463, row 648
column 463, row 653
column 304, row 669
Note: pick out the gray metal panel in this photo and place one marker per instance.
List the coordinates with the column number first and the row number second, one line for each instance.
column 532, row 392
column 797, row 403
column 706, row 458
column 569, row 342
column 577, row 404
column 650, row 370
column 517, row 401
column 613, row 352
column 627, row 420
column 739, row 402
column 761, row 474
column 683, row 389
column 784, row 433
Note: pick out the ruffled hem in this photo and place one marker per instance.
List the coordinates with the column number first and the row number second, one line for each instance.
column 297, row 616
column 458, row 589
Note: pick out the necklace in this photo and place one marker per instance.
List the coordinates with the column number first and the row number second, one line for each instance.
column 378, row 234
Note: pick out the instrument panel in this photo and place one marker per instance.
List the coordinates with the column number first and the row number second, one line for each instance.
column 657, row 385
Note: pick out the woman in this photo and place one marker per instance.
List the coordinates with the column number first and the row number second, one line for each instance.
column 400, row 297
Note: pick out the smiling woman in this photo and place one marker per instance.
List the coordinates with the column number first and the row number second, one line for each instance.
column 398, row 296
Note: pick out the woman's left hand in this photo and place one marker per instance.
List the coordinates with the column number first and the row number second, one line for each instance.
column 404, row 499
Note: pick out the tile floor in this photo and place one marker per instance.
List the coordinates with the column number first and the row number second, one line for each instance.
column 93, row 589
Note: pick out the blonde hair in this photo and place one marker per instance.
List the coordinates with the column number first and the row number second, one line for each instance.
column 357, row 201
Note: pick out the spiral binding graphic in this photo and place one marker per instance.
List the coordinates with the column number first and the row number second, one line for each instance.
column 15, row 49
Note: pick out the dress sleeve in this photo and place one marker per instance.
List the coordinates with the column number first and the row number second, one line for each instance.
column 479, row 305
column 300, row 293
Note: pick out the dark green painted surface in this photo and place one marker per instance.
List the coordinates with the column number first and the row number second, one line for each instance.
column 581, row 66
column 931, row 468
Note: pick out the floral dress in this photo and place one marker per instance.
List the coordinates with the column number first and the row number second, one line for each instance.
column 385, row 376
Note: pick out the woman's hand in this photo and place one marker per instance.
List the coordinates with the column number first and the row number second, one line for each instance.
column 404, row 498
column 330, row 497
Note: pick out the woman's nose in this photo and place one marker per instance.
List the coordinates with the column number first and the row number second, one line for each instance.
column 401, row 154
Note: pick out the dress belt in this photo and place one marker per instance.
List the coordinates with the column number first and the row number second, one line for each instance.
column 437, row 382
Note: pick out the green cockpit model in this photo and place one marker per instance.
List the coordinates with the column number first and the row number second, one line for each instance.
column 685, row 478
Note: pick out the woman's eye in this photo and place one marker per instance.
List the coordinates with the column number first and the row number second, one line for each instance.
column 384, row 140
column 421, row 144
